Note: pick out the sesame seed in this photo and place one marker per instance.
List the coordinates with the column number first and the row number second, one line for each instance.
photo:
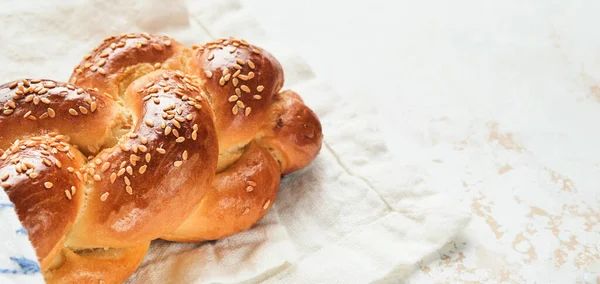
column 156, row 100
column 208, row 74
column 133, row 160
column 157, row 65
column 225, row 71
column 260, row 88
column 168, row 42
column 195, row 127
column 245, row 88
column 70, row 169
column 251, row 64
column 189, row 117
column 94, row 68
column 238, row 91
column 102, row 62
column 235, row 81
column 124, row 148
column 4, row 177
column 150, row 123
column 251, row 75
column 78, row 175
column 176, row 133
column 249, row 188
column 267, row 204
column 235, row 110
column 80, row 91
column 240, row 61
column 51, row 113
column 83, row 110
column 148, row 157
column 256, row 51
column 226, row 77
column 48, row 185
column 176, row 123
column 5, row 185
column 195, row 135
column 47, row 162
column 103, row 55
column 68, row 194
column 73, row 112
column 221, row 81
column 161, row 150
column 238, row 67
column 246, row 211
column 143, row 169
column 88, row 65
column 13, row 85
column 198, row 106
column 104, row 196
column 237, row 73
column 157, row 47
column 180, row 139
column 73, row 190
column 129, row 170
column 127, row 181
column 11, row 104
column 113, row 177
column 29, row 98
column 143, row 148
column 97, row 177
column 93, row 106
column 179, row 119
column 247, row 111
column 252, row 183
column 102, row 71
column 211, row 56
column 178, row 163
column 144, row 140
column 240, row 104
column 146, row 35
column 167, row 130
column 7, row 111
column 27, row 114
column 129, row 190
column 185, row 155
column 233, row 50
column 105, row 167
column 58, row 164
column 121, row 172
column 42, row 91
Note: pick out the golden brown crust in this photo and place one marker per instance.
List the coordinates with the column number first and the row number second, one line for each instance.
column 292, row 133
column 155, row 140
column 33, row 106
column 119, row 60
column 97, row 266
column 38, row 176
column 148, row 185
column 240, row 197
column 240, row 79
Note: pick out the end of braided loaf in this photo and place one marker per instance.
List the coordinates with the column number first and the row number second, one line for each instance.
column 181, row 144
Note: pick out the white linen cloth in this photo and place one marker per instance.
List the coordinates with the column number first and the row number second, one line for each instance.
column 355, row 215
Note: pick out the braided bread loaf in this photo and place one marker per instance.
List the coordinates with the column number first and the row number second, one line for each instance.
column 149, row 139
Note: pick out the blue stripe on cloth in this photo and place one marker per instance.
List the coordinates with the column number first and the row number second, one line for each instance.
column 5, row 205
column 26, row 266
column 21, row 231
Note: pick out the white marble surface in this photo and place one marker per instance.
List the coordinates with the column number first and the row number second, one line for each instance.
column 505, row 99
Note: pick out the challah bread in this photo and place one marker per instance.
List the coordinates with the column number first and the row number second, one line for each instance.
column 161, row 141
column 158, row 173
